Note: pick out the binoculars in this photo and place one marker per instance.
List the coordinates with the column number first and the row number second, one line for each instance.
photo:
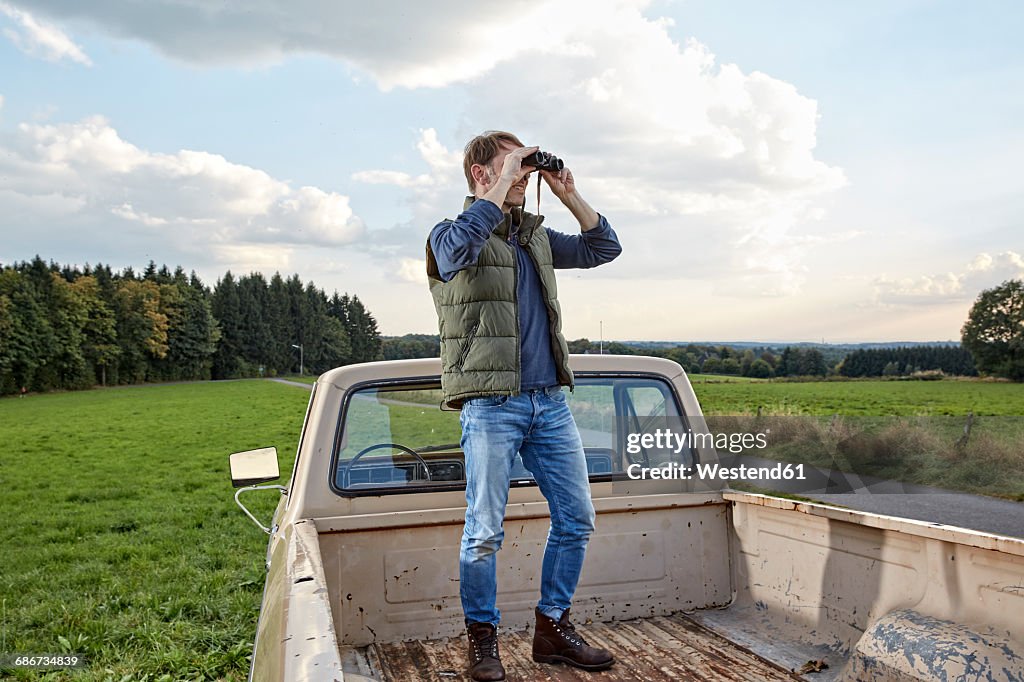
column 544, row 161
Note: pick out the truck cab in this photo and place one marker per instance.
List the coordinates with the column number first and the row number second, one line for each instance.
column 681, row 580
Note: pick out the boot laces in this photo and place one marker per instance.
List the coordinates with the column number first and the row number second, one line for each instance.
column 570, row 632
column 486, row 647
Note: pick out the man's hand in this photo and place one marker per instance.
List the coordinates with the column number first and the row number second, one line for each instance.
column 513, row 169
column 512, row 172
column 561, row 183
column 564, row 187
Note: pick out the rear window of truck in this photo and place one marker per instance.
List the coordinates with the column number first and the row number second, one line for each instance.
column 396, row 438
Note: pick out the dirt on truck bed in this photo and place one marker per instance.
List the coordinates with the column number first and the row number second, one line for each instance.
column 660, row 648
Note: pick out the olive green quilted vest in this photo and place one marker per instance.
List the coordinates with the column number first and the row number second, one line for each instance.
column 478, row 315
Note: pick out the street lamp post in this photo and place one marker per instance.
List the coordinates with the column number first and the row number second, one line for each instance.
column 301, row 366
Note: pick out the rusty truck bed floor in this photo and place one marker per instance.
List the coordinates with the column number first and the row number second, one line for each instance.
column 660, row 648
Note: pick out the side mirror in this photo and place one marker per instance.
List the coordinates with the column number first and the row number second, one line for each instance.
column 253, row 467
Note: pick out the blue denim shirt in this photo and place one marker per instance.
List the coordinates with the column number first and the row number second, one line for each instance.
column 457, row 244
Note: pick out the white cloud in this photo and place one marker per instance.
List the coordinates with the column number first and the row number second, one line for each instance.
column 40, row 39
column 413, row 270
column 984, row 271
column 705, row 171
column 254, row 258
column 42, row 206
column 128, row 213
column 1007, row 265
column 87, row 175
column 396, row 178
column 708, row 172
column 445, row 166
column 926, row 288
column 661, row 121
column 445, row 171
column 399, row 43
column 443, row 163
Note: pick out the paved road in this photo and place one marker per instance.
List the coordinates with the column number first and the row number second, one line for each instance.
column 907, row 500
column 308, row 387
column 977, row 512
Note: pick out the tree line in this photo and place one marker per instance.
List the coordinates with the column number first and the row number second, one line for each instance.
column 804, row 361
column 69, row 327
column 903, row 361
column 65, row 327
column 760, row 362
column 992, row 343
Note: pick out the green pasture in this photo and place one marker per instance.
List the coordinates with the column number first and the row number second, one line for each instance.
column 869, row 398
column 121, row 539
column 911, row 431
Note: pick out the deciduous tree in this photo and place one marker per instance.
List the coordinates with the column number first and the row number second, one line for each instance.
column 994, row 331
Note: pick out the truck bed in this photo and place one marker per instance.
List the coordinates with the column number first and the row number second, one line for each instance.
column 671, row 647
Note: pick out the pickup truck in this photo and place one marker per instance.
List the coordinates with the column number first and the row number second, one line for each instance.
column 681, row 583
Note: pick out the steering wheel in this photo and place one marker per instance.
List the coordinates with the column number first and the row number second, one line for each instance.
column 378, row 446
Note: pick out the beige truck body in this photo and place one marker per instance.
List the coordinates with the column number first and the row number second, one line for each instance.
column 773, row 582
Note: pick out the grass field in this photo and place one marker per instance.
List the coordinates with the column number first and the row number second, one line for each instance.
column 898, row 398
column 121, row 539
column 723, row 379
column 903, row 430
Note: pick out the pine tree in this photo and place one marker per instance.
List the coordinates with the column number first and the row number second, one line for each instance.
column 253, row 330
column 279, row 321
column 7, row 331
column 225, row 307
column 31, row 339
column 362, row 331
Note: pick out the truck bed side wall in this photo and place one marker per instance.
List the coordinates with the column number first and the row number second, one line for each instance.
column 650, row 555
column 826, row 575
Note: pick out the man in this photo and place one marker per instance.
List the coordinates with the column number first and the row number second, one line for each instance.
column 491, row 274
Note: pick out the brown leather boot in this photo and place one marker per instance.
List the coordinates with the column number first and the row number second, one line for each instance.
column 556, row 641
column 484, row 663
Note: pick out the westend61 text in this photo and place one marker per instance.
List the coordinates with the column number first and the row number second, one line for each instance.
column 716, row 472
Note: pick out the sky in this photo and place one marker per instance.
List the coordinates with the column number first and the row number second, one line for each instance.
column 779, row 172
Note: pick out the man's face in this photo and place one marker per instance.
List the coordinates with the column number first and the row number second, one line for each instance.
column 517, row 193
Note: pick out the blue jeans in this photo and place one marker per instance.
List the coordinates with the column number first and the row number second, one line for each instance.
column 536, row 424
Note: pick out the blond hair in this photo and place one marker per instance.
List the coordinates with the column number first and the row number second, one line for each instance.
column 482, row 148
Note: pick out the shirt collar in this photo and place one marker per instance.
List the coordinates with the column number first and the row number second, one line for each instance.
column 526, row 222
